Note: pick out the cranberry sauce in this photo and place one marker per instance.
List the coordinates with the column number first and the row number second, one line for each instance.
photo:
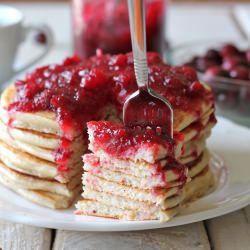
column 115, row 139
column 77, row 91
column 105, row 24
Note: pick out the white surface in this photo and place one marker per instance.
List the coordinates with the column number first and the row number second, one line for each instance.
column 57, row 15
column 192, row 22
column 242, row 14
column 186, row 22
column 229, row 140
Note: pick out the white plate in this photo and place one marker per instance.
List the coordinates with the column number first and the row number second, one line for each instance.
column 228, row 140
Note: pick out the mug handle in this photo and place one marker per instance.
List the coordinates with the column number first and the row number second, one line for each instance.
column 43, row 28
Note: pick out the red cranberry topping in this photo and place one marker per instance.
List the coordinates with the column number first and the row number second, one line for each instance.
column 77, row 91
column 196, row 87
column 115, row 138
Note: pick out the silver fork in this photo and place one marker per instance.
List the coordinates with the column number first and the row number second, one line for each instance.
column 144, row 109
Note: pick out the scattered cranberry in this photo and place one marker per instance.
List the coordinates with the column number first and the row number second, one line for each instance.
column 228, row 62
column 196, row 86
column 231, row 62
column 228, row 50
column 213, row 72
column 213, row 54
column 41, row 38
column 240, row 72
column 203, row 63
column 248, row 56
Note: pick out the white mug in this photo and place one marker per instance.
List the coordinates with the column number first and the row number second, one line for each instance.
column 12, row 34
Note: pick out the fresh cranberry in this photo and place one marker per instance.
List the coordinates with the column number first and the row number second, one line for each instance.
column 231, row 62
column 248, row 56
column 214, row 55
column 106, row 26
column 228, row 50
column 41, row 38
column 240, row 72
column 213, row 72
column 203, row 63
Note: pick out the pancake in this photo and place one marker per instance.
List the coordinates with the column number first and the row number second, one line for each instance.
column 34, row 138
column 43, row 124
column 144, row 149
column 196, row 167
column 42, row 152
column 199, row 185
column 95, row 208
column 194, row 147
column 45, row 121
column 102, row 185
column 26, row 163
column 25, row 181
column 44, row 198
column 183, row 119
column 139, row 172
column 199, row 128
column 118, row 201
column 110, row 172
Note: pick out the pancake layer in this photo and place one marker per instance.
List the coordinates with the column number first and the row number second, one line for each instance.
column 39, row 164
column 141, row 185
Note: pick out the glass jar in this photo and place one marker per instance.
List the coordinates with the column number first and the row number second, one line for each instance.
column 104, row 24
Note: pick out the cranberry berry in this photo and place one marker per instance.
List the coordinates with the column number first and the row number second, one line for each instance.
column 232, row 61
column 240, row 72
column 41, row 38
column 215, row 71
column 214, row 55
column 228, row 50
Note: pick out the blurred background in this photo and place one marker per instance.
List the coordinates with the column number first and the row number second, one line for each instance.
column 211, row 36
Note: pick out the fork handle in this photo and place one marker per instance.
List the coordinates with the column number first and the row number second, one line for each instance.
column 138, row 38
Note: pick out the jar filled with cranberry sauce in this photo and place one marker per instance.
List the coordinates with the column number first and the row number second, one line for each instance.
column 104, row 24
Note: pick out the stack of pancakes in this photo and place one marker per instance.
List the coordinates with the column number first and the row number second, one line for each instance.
column 41, row 153
column 119, row 187
column 33, row 156
column 139, row 182
column 196, row 156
